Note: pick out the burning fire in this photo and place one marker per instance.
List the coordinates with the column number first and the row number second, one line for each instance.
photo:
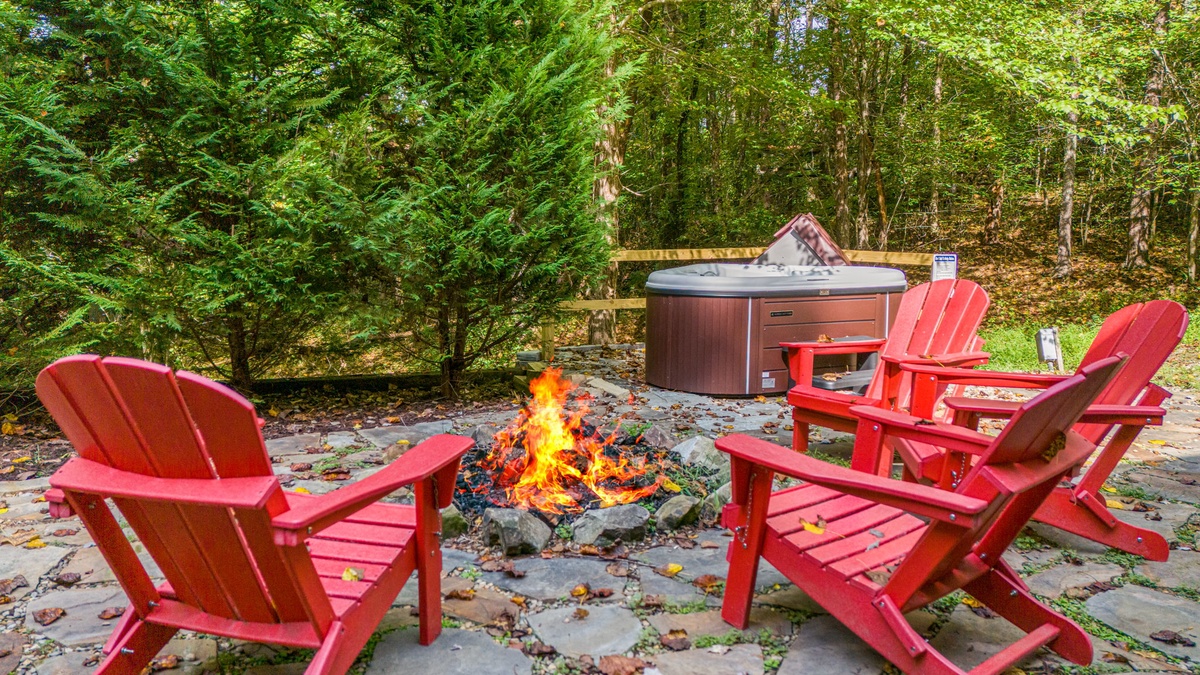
column 558, row 457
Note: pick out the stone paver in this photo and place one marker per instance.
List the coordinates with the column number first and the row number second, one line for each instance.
column 456, row 652
column 289, row 445
column 711, row 623
column 29, row 563
column 823, row 646
column 700, row 561
column 66, row 664
column 1172, row 516
column 969, row 639
column 1138, row 611
column 1057, row 580
column 1180, row 570
column 1067, row 540
column 554, row 578
column 605, row 630
column 90, row 565
column 487, row 606
column 382, row 437
column 81, row 624
column 742, row 659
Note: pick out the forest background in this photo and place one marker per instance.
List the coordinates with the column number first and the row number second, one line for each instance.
column 314, row 187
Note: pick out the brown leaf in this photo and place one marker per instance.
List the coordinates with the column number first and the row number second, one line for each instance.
column 600, row 593
column 536, row 648
column 518, row 601
column 514, row 573
column 111, row 613
column 7, row 586
column 823, row 338
column 615, row 664
column 64, row 533
column 1172, row 638
column 300, row 466
column 589, row 549
column 653, row 601
column 167, row 662
column 683, row 542
column 708, row 583
column 1112, row 657
column 461, row 594
column 676, row 640
column 709, row 544
column 67, row 579
column 618, row 569
column 496, row 565
column 49, row 615
column 580, row 614
column 20, row 537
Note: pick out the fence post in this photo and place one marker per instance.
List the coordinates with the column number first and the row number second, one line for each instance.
column 548, row 341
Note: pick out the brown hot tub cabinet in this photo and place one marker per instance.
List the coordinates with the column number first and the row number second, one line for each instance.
column 716, row 328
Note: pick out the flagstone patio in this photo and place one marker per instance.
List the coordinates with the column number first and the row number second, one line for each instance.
column 536, row 623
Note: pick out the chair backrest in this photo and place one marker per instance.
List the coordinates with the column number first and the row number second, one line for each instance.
column 143, row 418
column 938, row 317
column 1148, row 332
column 1014, row 476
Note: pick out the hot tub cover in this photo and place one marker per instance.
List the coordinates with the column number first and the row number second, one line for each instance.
column 724, row 280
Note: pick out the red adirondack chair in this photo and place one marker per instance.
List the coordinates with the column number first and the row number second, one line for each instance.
column 870, row 548
column 935, row 323
column 1148, row 332
column 183, row 459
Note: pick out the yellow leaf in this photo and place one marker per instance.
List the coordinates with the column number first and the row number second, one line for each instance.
column 273, row 412
column 671, row 569
column 4, row 510
column 1114, row 504
column 21, row 460
column 671, row 485
column 8, row 429
column 36, row 543
column 760, row 399
column 1155, row 441
column 392, row 420
column 302, row 491
column 972, row 602
column 10, row 417
column 39, row 499
column 580, row 590
column 1105, row 488
column 816, row 528
column 352, row 574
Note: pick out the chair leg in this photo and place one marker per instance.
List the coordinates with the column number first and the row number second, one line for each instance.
column 338, row 652
column 140, row 643
column 799, row 435
column 1013, row 602
column 1058, row 510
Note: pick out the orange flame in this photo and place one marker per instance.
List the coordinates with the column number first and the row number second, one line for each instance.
column 558, row 457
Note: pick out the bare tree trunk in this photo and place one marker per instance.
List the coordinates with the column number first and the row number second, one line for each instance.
column 1063, row 268
column 865, row 152
column 1193, row 232
column 934, row 196
column 610, row 156
column 239, row 355
column 1138, row 254
column 881, row 198
column 841, row 150
column 991, row 224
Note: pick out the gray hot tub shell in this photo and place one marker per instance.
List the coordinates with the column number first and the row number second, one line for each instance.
column 717, row 280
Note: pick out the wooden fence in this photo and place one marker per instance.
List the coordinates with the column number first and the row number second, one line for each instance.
column 667, row 255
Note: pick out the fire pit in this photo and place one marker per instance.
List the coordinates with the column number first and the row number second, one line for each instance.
column 551, row 459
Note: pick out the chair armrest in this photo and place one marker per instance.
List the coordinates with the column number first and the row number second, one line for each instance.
column 912, row 497
column 953, row 359
column 1130, row 415
column 800, row 355
column 83, row 475
column 438, row 456
column 901, row 425
column 985, row 378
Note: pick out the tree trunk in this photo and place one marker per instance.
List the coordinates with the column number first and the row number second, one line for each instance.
column 239, row 356
column 1063, row 268
column 1138, row 253
column 841, row 150
column 1193, row 232
column 610, row 156
column 991, row 225
column 865, row 93
column 880, row 197
column 934, row 195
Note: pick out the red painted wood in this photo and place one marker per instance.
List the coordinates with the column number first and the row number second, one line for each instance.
column 183, row 459
column 876, row 558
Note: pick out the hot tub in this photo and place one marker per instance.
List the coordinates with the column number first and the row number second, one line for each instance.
column 716, row 328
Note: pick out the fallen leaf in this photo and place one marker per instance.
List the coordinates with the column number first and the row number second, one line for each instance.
column 64, row 533
column 67, row 579
column 49, row 615
column 111, row 613
column 669, row 570
column 589, row 549
column 653, row 601
column 518, row 601
column 709, row 583
column 1114, row 504
column 615, row 664
column 7, row 586
column 669, row 484
column 709, row 544
column 600, row 593
column 352, row 574
column 21, row 460
column 19, row 537
column 580, row 614
column 461, row 594
column 1155, row 441
column 302, row 491
column 167, row 662
column 36, row 543
column 1172, row 638
column 1111, row 657
column 618, row 569
column 816, row 528
column 971, row 602
column 676, row 640
column 536, row 648
column 719, row 649
column 581, row 591
column 300, row 466
column 823, row 338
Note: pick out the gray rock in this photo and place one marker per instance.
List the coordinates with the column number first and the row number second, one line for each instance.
column 29, row 563
column 382, row 437
column 70, row 663
column 616, row 391
column 483, row 434
column 25, row 513
column 456, row 652
column 553, row 579
column 791, row 598
column 710, row 623
column 291, row 445
column 605, row 526
column 1171, row 516
column 1167, row 484
column 1067, row 540
column 676, row 512
column 91, row 566
column 453, row 522
column 710, row 509
column 607, row 629
column 676, row 591
column 823, row 646
column 515, row 531
column 700, row 451
column 1056, row 580
column 969, row 639
column 81, row 624
column 741, row 659
column 12, row 487
column 342, row 439
column 13, row 644
column 1140, row 611
column 1180, row 570
column 530, row 355
column 700, row 561
column 658, row 437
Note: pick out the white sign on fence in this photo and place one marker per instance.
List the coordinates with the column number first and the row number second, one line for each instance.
column 945, row 266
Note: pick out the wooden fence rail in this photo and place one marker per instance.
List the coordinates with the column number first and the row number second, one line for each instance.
column 733, row 253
